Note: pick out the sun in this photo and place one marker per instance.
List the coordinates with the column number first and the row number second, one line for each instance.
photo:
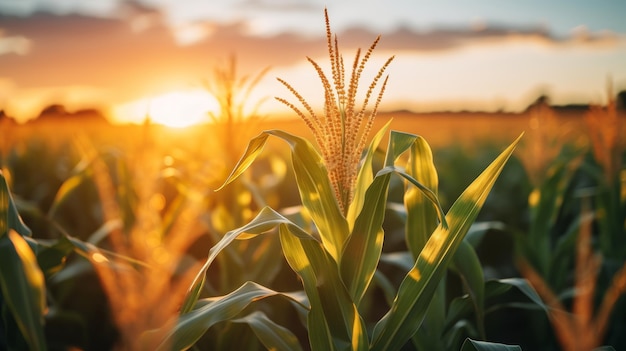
column 175, row 109
column 179, row 109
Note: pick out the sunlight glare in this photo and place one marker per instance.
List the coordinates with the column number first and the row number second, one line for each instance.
column 176, row 109
column 181, row 109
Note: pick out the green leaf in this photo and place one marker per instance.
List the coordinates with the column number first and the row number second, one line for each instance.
column 544, row 206
column 478, row 230
column 467, row 264
column 193, row 295
column 333, row 321
column 422, row 216
column 23, row 287
column 475, row 345
column 461, row 307
column 255, row 146
column 51, row 258
column 459, row 332
column 416, row 290
column 501, row 285
column 272, row 335
column 365, row 176
column 383, row 282
column 316, row 193
column 430, row 334
column 422, row 219
column 401, row 259
column 399, row 142
column 266, row 220
column 9, row 217
column 362, row 251
column 191, row 326
column 67, row 188
column 429, row 194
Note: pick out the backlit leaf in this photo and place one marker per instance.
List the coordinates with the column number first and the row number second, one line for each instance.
column 362, row 251
column 416, row 290
column 333, row 321
column 422, row 215
column 316, row 193
column 272, row 335
column 255, row 146
column 66, row 189
column 365, row 176
column 23, row 288
column 9, row 217
column 266, row 220
column 191, row 326
column 475, row 345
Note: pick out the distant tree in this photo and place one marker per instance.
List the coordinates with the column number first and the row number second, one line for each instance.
column 90, row 114
column 52, row 111
column 58, row 112
column 621, row 100
column 6, row 119
column 542, row 100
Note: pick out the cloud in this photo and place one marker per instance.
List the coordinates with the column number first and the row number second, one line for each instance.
column 136, row 51
column 18, row 45
column 277, row 5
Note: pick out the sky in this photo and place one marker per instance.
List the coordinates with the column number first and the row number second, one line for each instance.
column 126, row 57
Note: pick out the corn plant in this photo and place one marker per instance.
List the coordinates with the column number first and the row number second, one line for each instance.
column 334, row 243
column 22, row 285
column 562, row 239
column 250, row 259
column 234, row 207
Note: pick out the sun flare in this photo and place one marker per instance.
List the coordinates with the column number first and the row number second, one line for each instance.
column 175, row 109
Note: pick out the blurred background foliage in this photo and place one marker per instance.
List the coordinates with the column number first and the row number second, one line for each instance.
column 528, row 227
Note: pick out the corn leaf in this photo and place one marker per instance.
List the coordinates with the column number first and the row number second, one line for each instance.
column 416, row 290
column 9, row 217
column 191, row 326
column 316, row 193
column 193, row 295
column 23, row 288
column 399, row 142
column 266, row 220
column 422, row 216
column 333, row 321
column 362, row 251
column 475, row 345
column 21, row 280
column 430, row 334
column 387, row 287
column 544, row 206
column 478, row 230
column 51, row 257
column 467, row 264
column 425, row 191
column 66, row 189
column 365, row 176
column 255, row 146
column 272, row 335
column 461, row 307
column 421, row 221
column 494, row 287
column 314, row 186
